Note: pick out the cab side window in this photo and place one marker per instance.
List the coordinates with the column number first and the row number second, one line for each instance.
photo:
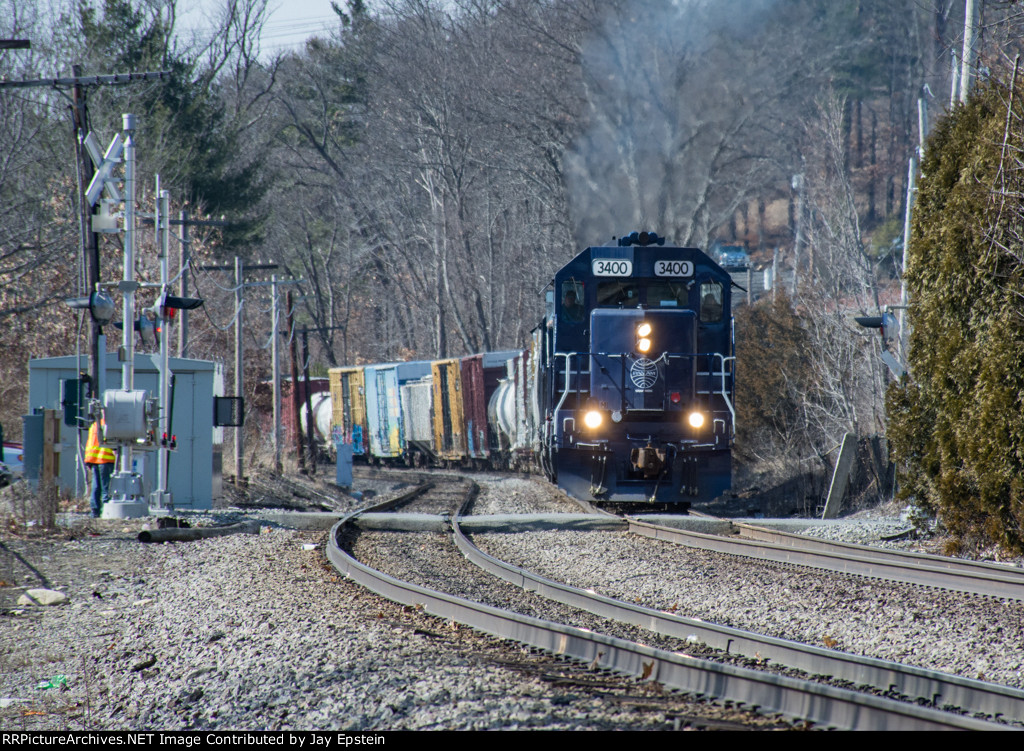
column 572, row 302
column 711, row 294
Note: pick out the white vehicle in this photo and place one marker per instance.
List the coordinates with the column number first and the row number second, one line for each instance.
column 12, row 466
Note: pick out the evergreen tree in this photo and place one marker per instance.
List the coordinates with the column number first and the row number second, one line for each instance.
column 185, row 133
column 955, row 422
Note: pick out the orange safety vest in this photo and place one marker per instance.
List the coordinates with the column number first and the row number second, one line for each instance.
column 94, row 453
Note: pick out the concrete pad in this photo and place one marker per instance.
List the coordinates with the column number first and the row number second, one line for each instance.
column 305, row 520
column 689, row 523
column 536, row 522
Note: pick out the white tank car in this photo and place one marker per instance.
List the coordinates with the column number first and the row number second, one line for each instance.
column 320, row 403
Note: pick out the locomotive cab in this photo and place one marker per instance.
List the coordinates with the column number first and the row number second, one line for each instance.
column 640, row 375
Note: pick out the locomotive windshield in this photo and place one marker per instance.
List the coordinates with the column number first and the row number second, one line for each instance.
column 667, row 294
column 618, row 293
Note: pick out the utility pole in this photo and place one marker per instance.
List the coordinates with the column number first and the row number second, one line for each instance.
column 90, row 240
column 239, row 376
column 904, row 298
column 967, row 58
column 295, row 382
column 310, row 442
column 84, row 167
column 276, row 358
column 275, row 374
column 798, row 186
column 954, row 86
column 184, row 255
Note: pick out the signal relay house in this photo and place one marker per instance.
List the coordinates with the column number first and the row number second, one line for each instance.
column 194, row 467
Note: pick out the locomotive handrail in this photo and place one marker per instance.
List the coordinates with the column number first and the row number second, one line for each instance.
column 568, row 373
column 666, row 356
column 724, row 395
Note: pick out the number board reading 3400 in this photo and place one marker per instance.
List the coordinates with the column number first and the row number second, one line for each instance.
column 611, row 267
column 673, row 268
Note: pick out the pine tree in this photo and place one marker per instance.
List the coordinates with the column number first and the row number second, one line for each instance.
column 185, row 132
column 955, row 422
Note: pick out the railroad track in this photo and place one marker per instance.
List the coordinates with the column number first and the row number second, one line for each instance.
column 986, row 579
column 762, row 543
column 929, row 687
column 818, row 703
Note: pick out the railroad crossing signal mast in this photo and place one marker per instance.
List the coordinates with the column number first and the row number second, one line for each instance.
column 129, row 415
column 134, row 420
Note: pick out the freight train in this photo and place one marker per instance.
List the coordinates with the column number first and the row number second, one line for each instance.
column 624, row 394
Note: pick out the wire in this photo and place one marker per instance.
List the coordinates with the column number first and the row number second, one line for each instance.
column 232, row 322
column 270, row 342
column 268, row 309
column 234, row 318
column 181, row 273
column 214, row 283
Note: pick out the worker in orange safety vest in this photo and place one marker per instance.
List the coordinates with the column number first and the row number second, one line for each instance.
column 101, row 459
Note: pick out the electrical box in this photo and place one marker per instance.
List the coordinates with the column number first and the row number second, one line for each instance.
column 32, row 444
column 228, row 411
column 128, row 415
column 74, row 399
column 193, row 468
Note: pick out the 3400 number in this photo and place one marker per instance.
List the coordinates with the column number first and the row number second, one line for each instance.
column 673, row 268
column 611, row 267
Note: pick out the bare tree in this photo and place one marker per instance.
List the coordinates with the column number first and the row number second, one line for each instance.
column 849, row 378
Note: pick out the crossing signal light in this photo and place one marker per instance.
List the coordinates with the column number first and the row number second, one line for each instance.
column 887, row 324
column 149, row 331
column 169, row 305
column 182, row 303
column 99, row 305
column 166, row 307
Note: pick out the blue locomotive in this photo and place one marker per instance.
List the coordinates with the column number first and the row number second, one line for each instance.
column 636, row 375
column 624, row 394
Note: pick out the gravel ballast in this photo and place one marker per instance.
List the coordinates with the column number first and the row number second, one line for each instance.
column 259, row 632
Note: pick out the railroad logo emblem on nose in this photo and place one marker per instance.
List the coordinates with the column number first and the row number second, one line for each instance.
column 643, row 373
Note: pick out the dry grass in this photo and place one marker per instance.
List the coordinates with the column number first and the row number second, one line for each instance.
column 27, row 509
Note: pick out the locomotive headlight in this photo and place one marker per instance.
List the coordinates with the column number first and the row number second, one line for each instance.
column 593, row 419
column 643, row 337
column 696, row 420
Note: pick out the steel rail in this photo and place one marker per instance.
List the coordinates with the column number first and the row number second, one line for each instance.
column 930, row 686
column 903, row 557
column 864, row 562
column 818, row 703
